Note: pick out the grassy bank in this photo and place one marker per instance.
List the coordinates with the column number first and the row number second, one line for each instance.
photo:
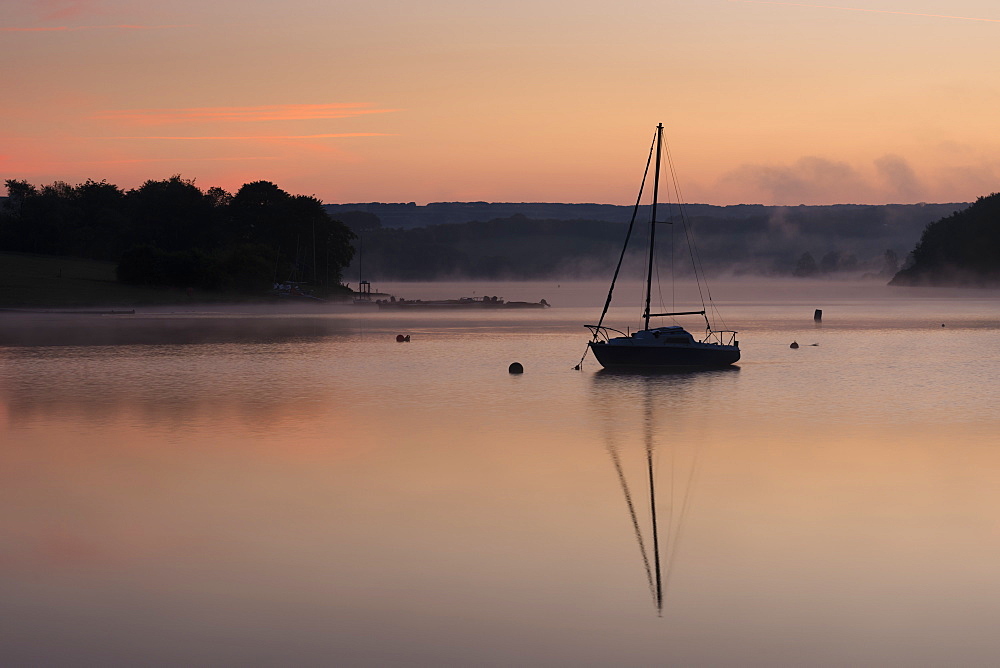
column 44, row 281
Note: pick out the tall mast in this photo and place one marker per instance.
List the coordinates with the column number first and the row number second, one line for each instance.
column 652, row 222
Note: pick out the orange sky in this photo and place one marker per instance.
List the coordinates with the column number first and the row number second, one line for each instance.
column 440, row 100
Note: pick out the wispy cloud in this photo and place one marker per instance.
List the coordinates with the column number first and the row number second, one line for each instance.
column 899, row 176
column 278, row 112
column 811, row 180
column 871, row 11
column 134, row 161
column 74, row 16
column 55, row 10
column 104, row 27
column 250, row 137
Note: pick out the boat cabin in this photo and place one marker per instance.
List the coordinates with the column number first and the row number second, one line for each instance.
column 672, row 334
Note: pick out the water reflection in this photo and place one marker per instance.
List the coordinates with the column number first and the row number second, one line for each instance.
column 265, row 385
column 664, row 475
column 664, row 374
column 36, row 330
column 356, row 501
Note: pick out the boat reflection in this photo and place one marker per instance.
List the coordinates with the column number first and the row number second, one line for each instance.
column 658, row 502
column 627, row 376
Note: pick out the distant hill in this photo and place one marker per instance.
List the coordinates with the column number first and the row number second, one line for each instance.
column 408, row 215
column 962, row 249
column 542, row 240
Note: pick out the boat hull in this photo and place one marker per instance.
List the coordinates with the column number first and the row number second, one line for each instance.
column 698, row 355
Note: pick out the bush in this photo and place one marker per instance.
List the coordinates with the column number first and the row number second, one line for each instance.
column 248, row 269
column 146, row 265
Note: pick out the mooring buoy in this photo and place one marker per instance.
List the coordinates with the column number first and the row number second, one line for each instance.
column 515, row 367
column 402, row 339
column 794, row 345
column 818, row 315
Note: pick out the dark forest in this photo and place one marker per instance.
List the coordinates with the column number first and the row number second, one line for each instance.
column 171, row 233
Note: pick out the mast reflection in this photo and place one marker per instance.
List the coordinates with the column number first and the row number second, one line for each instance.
column 617, row 395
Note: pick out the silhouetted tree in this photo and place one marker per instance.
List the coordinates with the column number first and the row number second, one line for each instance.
column 308, row 244
column 173, row 214
column 103, row 225
column 960, row 249
column 169, row 232
column 806, row 266
column 838, row 261
column 192, row 268
column 17, row 193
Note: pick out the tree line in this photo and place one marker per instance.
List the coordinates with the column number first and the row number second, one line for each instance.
column 793, row 242
column 962, row 249
column 172, row 233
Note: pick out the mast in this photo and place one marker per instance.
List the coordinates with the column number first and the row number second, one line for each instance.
column 652, row 222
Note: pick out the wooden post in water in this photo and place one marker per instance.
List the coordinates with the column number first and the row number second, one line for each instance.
column 818, row 315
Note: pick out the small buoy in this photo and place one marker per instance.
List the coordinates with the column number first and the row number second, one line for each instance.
column 818, row 315
column 942, row 324
column 402, row 339
column 515, row 367
column 794, row 345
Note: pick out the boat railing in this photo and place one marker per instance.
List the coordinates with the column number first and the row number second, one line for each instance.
column 724, row 337
column 600, row 332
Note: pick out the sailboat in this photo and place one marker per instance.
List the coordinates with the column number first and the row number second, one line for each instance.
column 666, row 346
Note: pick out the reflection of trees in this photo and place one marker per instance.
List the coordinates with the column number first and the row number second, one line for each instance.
column 275, row 381
column 37, row 330
column 139, row 400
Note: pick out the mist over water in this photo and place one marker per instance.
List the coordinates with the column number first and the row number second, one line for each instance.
column 292, row 486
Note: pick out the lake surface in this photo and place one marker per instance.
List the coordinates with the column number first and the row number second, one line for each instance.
column 240, row 487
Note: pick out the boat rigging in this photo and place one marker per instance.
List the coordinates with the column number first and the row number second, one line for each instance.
column 668, row 346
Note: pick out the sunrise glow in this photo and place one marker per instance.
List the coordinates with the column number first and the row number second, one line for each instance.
column 764, row 101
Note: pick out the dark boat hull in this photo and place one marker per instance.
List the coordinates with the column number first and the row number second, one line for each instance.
column 659, row 356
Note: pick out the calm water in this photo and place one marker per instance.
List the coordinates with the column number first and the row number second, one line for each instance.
column 239, row 488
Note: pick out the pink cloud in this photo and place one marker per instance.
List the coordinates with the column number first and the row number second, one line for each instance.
column 243, row 138
column 278, row 112
column 135, row 161
column 105, row 27
column 56, row 10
